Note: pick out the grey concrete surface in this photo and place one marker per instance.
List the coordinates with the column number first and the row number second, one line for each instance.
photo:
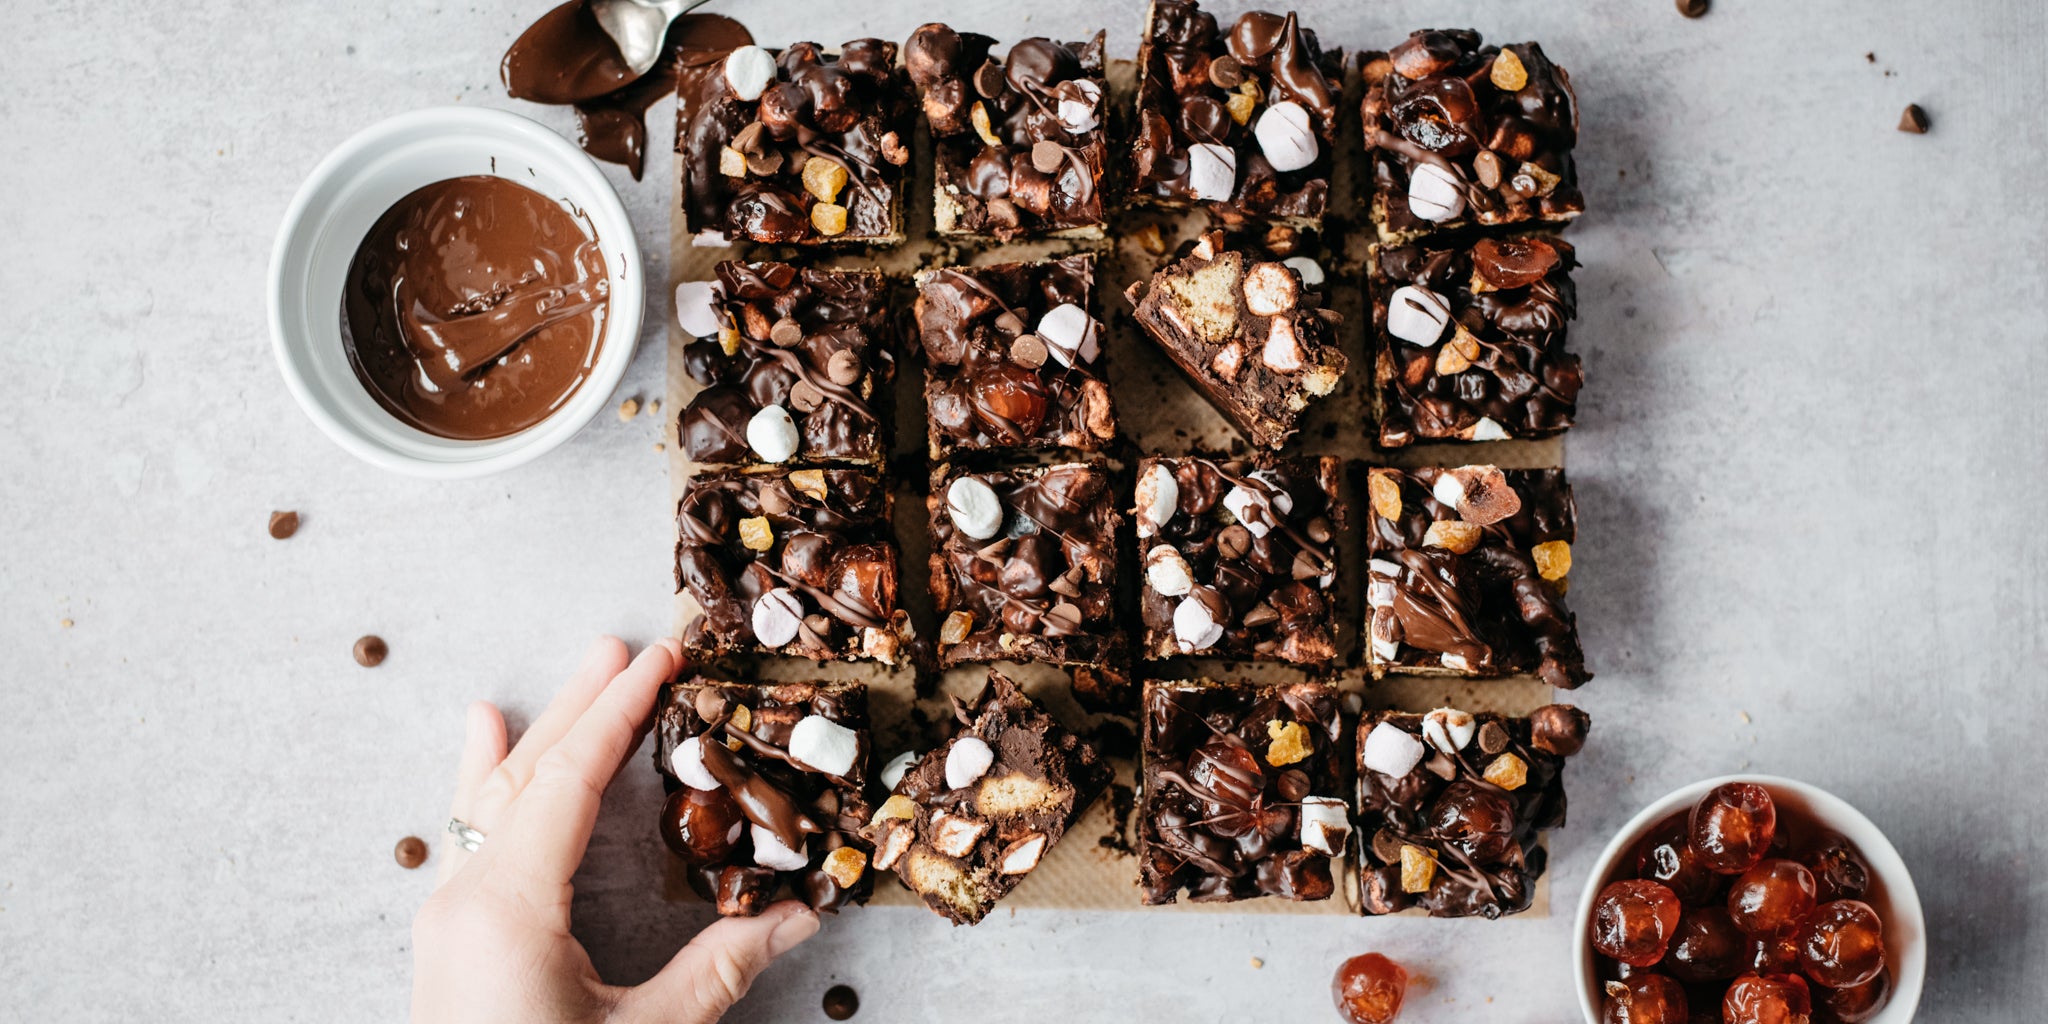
column 1811, row 475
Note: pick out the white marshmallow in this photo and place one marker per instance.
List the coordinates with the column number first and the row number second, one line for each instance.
column 1168, row 572
column 1386, row 650
column 1158, row 496
column 1449, row 490
column 749, row 70
column 1454, row 662
column 1286, row 137
column 1324, row 824
column 687, row 761
column 776, row 617
column 1212, row 171
column 823, row 744
column 1250, row 512
column 1276, row 492
column 1487, row 430
column 975, row 508
column 1379, row 593
column 1391, row 570
column 1311, row 272
column 1282, row 353
column 1390, row 751
column 697, row 308
column 770, row 853
column 1078, row 116
column 1434, row 194
column 892, row 773
column 1448, row 729
column 1193, row 627
column 709, row 238
column 1069, row 332
column 1023, row 855
column 772, row 434
column 967, row 761
column 1417, row 316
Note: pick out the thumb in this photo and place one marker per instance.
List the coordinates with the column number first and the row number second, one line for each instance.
column 710, row 974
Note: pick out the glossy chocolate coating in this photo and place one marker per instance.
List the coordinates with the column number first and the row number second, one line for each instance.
column 1220, row 820
column 1524, row 378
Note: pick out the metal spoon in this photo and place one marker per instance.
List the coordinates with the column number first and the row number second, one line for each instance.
column 640, row 26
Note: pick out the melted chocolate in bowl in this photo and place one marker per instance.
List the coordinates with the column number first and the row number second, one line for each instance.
column 475, row 307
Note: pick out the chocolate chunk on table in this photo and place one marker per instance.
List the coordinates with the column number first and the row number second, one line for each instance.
column 1013, row 357
column 1019, row 144
column 798, row 562
column 1470, row 340
column 1468, row 570
column 1239, row 556
column 764, row 786
column 1247, row 332
column 1242, row 119
column 1450, row 804
column 795, row 365
column 1462, row 135
column 801, row 146
column 975, row 816
column 1023, row 566
column 1243, row 791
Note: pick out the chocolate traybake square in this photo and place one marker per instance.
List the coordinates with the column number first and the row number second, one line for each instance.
column 764, row 786
column 1469, row 340
column 1243, row 791
column 799, row 562
column 1462, row 135
column 800, row 147
column 1023, row 566
column 1013, row 357
column 1018, row 143
column 1468, row 570
column 972, row 818
column 1241, row 119
column 1247, row 329
column 1239, row 556
column 1450, row 804
column 795, row 365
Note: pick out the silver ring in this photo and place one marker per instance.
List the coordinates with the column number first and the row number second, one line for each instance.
column 466, row 836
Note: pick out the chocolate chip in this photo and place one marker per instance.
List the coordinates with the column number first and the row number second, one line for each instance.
column 283, row 524
column 843, row 368
column 411, row 852
column 1233, row 541
column 988, row 79
column 1913, row 120
column 1010, row 323
column 1047, row 156
column 1307, row 566
column 841, row 1002
column 1386, row 846
column 1692, row 8
column 749, row 140
column 786, row 332
column 1319, row 530
column 371, row 651
column 1487, row 166
column 1063, row 617
column 1260, row 615
column 709, row 704
column 1492, row 738
column 1028, row 350
column 1067, row 584
column 805, row 396
column 1225, row 72
column 1293, row 784
column 1002, row 212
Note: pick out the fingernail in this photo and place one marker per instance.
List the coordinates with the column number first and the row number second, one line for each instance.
column 801, row 924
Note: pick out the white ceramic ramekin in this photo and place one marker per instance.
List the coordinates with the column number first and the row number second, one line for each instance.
column 1891, row 888
column 335, row 208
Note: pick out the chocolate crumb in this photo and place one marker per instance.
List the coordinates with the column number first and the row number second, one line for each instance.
column 1913, row 120
column 411, row 852
column 1122, row 801
column 370, row 651
column 841, row 1002
column 1692, row 8
column 283, row 524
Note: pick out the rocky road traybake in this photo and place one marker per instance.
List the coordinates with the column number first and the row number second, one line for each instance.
column 1239, row 556
column 764, row 790
column 1243, row 120
column 1450, row 804
column 973, row 817
column 1243, row 791
column 1248, row 330
column 1470, row 340
column 1013, row 357
column 798, row 562
column 802, row 147
column 1467, row 573
column 1461, row 134
column 1019, row 144
column 793, row 364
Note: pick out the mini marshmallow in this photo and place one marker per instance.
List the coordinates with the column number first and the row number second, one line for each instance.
column 1434, row 194
column 697, row 308
column 1282, row 353
column 1242, row 503
column 1212, row 171
column 1449, row 490
column 1324, row 824
column 824, row 745
column 975, row 508
column 1390, row 751
column 772, row 434
column 687, row 761
column 1386, row 650
column 1454, row 662
column 1311, row 272
column 892, row 773
column 1379, row 593
column 1286, row 137
column 1193, row 627
column 710, row 238
column 1069, row 332
column 776, row 617
column 967, row 761
column 749, row 70
column 1023, row 855
column 1384, row 567
column 1158, row 499
column 1417, row 316
column 1077, row 116
column 770, row 853
column 1448, row 729
column 1487, row 430
column 1167, row 572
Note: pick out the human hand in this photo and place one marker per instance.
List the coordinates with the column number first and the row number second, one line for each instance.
column 492, row 943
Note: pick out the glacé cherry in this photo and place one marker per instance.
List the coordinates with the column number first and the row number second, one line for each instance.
column 1633, row 921
column 1733, row 826
column 1767, row 999
column 1842, row 944
column 1369, row 989
column 1771, row 897
column 1644, row 998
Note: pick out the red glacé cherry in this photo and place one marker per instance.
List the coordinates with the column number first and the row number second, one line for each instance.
column 1771, row 897
column 1842, row 944
column 1009, row 400
column 1633, row 921
column 1707, row 946
column 1732, row 827
column 1774, row 954
column 1369, row 989
column 1644, row 999
column 1767, row 999
column 701, row 826
column 1837, row 868
column 1857, row 1003
column 1666, row 856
